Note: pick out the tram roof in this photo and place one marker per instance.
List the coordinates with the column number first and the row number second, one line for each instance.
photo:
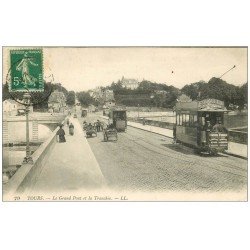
column 207, row 105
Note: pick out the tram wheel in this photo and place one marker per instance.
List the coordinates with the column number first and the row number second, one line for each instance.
column 197, row 151
column 213, row 152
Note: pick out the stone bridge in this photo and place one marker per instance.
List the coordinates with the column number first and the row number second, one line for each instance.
column 49, row 120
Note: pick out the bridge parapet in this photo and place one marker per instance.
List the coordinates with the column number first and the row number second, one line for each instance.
column 27, row 174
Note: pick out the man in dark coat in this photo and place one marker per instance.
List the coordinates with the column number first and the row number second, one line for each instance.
column 71, row 129
column 61, row 134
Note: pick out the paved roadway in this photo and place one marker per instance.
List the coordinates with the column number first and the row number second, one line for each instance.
column 144, row 161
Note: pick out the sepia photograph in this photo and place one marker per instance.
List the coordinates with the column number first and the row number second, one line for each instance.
column 124, row 124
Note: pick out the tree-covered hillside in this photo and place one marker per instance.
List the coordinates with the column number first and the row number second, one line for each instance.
column 218, row 89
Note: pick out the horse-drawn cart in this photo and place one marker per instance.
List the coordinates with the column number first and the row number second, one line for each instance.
column 110, row 132
column 90, row 131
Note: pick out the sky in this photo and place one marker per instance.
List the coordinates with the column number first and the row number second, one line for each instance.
column 81, row 69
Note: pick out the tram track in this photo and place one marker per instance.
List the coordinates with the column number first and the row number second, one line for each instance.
column 142, row 160
column 190, row 160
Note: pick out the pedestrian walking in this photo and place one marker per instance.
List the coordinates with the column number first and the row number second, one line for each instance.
column 98, row 126
column 71, row 129
column 61, row 135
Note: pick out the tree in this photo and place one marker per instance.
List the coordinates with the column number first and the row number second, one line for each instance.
column 39, row 99
column 242, row 99
column 218, row 89
column 85, row 99
column 116, row 87
column 192, row 90
column 70, row 98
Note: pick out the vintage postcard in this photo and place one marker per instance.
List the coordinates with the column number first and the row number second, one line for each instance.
column 125, row 124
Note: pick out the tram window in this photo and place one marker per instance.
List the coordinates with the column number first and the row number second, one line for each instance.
column 180, row 120
column 191, row 122
column 187, row 120
column 195, row 118
column 183, row 119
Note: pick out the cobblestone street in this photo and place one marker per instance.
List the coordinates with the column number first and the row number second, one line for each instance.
column 140, row 161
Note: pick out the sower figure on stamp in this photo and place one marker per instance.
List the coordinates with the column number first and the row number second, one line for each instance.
column 23, row 66
column 61, row 134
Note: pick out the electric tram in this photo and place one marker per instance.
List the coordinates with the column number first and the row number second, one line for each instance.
column 118, row 115
column 191, row 128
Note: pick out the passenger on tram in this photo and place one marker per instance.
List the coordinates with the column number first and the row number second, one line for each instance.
column 208, row 128
column 219, row 128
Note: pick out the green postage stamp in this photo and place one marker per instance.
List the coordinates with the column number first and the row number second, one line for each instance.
column 26, row 70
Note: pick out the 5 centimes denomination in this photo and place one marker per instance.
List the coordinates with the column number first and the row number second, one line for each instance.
column 26, row 70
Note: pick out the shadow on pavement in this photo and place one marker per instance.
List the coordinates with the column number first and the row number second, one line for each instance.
column 113, row 141
column 190, row 151
column 179, row 148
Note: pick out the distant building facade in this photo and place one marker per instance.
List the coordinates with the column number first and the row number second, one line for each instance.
column 109, row 104
column 129, row 83
column 57, row 102
column 102, row 96
column 11, row 107
column 108, row 95
column 184, row 98
column 96, row 93
column 161, row 92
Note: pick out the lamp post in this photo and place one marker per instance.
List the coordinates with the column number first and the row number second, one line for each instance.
column 27, row 159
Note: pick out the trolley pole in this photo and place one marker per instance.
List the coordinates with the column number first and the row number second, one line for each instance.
column 227, row 71
column 27, row 159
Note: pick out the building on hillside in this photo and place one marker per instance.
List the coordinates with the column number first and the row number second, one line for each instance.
column 13, row 108
column 57, row 102
column 10, row 107
column 161, row 92
column 92, row 108
column 129, row 83
column 109, row 104
column 96, row 93
column 108, row 95
column 184, row 98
